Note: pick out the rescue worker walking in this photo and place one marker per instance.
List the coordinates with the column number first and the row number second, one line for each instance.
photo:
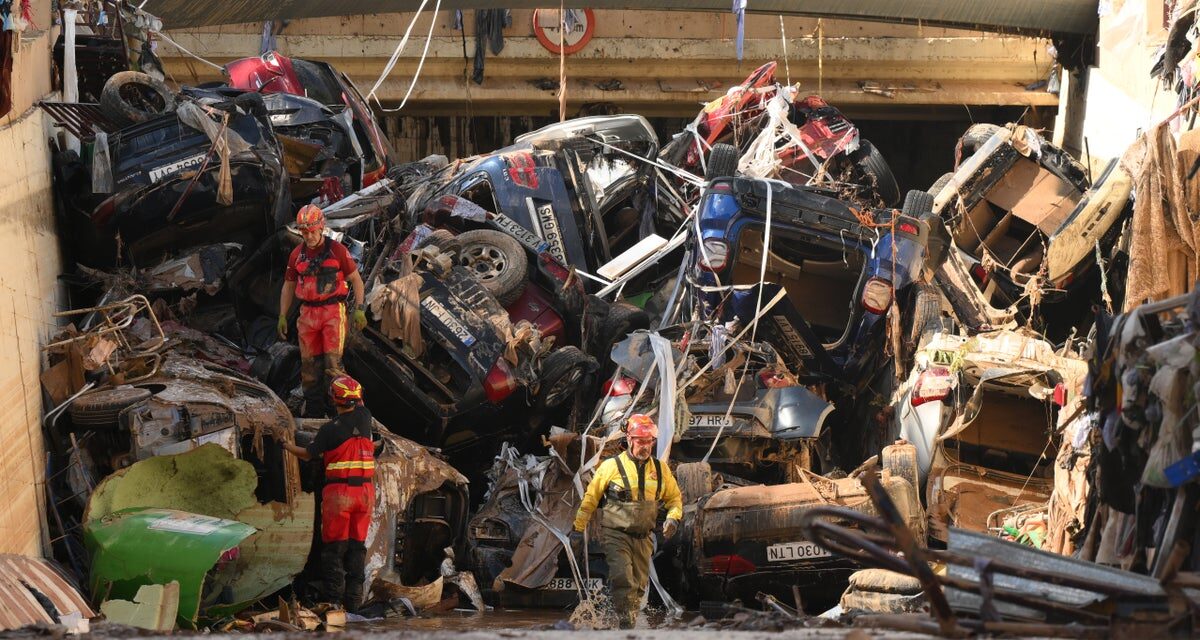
column 318, row 272
column 348, row 499
column 628, row 488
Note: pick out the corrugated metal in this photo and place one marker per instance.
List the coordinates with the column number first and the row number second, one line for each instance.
column 80, row 118
column 1031, row 16
column 18, row 606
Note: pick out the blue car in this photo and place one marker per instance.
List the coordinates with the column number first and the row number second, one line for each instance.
column 843, row 269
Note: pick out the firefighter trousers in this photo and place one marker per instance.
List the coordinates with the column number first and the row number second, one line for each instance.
column 321, row 332
column 628, row 558
column 345, row 517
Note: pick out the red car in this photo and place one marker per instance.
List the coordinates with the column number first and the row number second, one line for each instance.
column 273, row 72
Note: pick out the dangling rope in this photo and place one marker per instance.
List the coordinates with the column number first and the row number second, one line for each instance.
column 562, row 61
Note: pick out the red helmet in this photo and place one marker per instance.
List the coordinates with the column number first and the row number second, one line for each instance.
column 310, row 216
column 640, row 427
column 346, row 391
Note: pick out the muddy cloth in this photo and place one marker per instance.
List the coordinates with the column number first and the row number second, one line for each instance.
column 225, row 143
column 1163, row 257
column 397, row 306
column 489, row 34
column 628, row 559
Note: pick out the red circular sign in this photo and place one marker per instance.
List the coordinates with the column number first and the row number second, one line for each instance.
column 546, row 23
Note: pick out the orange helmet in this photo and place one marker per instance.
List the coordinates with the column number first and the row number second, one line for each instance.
column 640, row 427
column 310, row 216
column 346, row 391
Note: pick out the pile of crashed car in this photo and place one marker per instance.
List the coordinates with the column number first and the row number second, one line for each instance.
column 801, row 342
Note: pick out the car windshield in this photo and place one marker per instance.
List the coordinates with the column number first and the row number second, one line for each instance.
column 317, row 83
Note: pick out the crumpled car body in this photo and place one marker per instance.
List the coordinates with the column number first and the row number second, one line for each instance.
column 160, row 205
column 842, row 270
column 982, row 413
column 273, row 72
column 1020, row 208
column 562, row 183
column 743, row 540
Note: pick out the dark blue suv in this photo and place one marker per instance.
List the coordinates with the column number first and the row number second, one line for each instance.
column 842, row 267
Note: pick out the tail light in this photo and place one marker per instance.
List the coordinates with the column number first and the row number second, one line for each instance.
column 500, row 382
column 730, row 565
column 104, row 213
column 521, row 169
column 772, row 379
column 555, row 268
column 981, row 275
column 1060, row 394
column 715, row 255
column 622, row 386
column 933, row 384
column 907, row 227
column 877, row 295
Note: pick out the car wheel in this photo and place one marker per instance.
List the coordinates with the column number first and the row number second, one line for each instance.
column 696, row 480
column 562, row 375
column 917, row 204
column 130, row 97
column 872, row 164
column 975, row 136
column 925, row 320
column 622, row 319
column 497, row 260
column 101, row 408
column 444, row 240
column 722, row 161
column 940, row 184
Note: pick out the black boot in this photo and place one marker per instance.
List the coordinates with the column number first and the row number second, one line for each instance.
column 332, row 565
column 356, row 574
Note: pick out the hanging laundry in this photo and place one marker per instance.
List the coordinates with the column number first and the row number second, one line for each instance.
column 489, row 34
column 458, row 25
column 739, row 10
column 268, row 42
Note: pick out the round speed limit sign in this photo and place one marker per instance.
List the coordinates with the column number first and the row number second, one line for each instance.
column 547, row 22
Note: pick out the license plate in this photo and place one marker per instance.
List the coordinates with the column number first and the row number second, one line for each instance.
column 791, row 551
column 523, row 235
column 715, row 421
column 568, row 584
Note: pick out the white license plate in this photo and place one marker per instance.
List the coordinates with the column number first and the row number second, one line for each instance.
column 568, row 584
column 714, row 421
column 791, row 551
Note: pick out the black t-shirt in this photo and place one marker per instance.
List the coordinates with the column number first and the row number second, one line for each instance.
column 333, row 434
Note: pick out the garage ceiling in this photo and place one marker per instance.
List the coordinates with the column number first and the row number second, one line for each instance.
column 1038, row 17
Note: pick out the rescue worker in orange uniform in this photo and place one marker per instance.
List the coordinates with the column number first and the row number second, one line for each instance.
column 348, row 499
column 628, row 489
column 320, row 272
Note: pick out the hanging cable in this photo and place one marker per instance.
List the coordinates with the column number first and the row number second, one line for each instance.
column 420, row 63
column 185, row 51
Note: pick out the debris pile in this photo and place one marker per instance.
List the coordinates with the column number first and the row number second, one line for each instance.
column 870, row 410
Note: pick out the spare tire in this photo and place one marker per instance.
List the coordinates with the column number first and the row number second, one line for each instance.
column 722, row 161
column 939, row 184
column 975, row 136
column 497, row 260
column 101, row 408
column 130, row 97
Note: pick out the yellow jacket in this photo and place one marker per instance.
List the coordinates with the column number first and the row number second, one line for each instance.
column 608, row 473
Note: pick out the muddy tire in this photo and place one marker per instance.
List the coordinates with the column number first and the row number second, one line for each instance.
column 563, row 373
column 926, row 315
column 872, row 164
column 939, row 184
column 497, row 260
column 623, row 318
column 101, row 408
column 918, row 204
column 696, row 480
column 722, row 162
column 975, row 136
column 444, row 240
column 130, row 97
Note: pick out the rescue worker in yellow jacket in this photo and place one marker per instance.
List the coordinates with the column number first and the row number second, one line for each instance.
column 628, row 489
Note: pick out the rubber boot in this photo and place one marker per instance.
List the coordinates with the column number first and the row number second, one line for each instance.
column 356, row 574
column 332, row 565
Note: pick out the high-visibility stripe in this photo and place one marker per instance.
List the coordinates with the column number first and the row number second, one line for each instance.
column 350, row 464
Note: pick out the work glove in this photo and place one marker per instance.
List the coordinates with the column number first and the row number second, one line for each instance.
column 360, row 318
column 281, row 327
column 669, row 528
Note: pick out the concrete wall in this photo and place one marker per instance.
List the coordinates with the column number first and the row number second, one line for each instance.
column 1120, row 98
column 29, row 294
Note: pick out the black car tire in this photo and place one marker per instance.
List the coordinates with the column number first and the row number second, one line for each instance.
column 497, row 260
column 975, row 136
column 722, row 161
column 939, row 184
column 130, row 97
column 622, row 319
column 444, row 240
column 695, row 480
column 563, row 373
column 872, row 164
column 918, row 204
column 101, row 408
column 926, row 318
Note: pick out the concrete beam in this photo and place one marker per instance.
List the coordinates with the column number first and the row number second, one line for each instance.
column 1025, row 16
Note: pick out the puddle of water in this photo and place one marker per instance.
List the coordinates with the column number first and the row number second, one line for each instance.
column 471, row 620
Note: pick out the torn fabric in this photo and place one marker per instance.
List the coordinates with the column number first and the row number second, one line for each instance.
column 397, row 305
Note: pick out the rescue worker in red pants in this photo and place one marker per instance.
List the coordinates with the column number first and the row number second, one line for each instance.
column 320, row 272
column 628, row 489
column 348, row 499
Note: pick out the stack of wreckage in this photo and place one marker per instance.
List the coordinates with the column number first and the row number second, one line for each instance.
column 884, row 411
